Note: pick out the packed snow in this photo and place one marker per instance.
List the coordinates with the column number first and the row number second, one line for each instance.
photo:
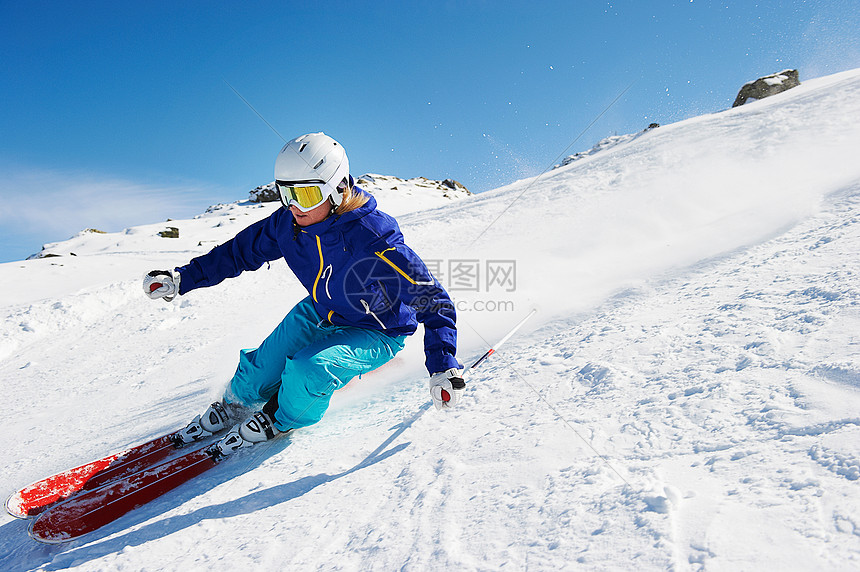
column 687, row 397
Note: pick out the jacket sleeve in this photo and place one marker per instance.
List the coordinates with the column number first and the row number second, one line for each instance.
column 433, row 306
column 248, row 250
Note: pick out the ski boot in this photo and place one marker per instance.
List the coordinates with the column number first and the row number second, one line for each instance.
column 216, row 418
column 256, row 429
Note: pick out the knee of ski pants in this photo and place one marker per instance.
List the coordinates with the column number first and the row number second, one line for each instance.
column 248, row 386
column 313, row 374
column 259, row 372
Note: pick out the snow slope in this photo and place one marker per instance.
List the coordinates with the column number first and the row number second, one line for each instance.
column 688, row 398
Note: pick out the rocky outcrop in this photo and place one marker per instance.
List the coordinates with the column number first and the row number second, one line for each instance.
column 767, row 86
column 264, row 194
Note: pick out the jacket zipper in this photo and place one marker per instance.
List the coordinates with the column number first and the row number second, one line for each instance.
column 367, row 311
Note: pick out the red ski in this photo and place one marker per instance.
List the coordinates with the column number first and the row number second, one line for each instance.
column 90, row 510
column 36, row 498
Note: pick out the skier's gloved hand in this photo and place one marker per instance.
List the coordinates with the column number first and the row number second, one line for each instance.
column 161, row 284
column 447, row 387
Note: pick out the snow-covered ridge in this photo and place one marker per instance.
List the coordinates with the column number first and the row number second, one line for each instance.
column 604, row 145
column 399, row 196
column 220, row 222
column 402, row 194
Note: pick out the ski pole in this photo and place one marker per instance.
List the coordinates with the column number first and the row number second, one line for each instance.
column 498, row 344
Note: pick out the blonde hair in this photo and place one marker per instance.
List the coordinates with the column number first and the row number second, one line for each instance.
column 351, row 201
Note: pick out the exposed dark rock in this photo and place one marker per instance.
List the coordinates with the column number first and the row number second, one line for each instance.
column 265, row 194
column 767, row 86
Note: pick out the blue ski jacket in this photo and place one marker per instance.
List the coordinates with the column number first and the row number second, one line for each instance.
column 357, row 269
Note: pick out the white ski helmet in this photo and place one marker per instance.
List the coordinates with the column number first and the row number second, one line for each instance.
column 310, row 169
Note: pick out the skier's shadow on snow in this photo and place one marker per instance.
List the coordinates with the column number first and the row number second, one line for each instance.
column 249, row 503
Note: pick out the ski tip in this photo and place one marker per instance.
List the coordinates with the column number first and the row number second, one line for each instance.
column 53, row 537
column 15, row 507
column 42, row 540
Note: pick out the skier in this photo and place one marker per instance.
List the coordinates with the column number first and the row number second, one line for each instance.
column 367, row 291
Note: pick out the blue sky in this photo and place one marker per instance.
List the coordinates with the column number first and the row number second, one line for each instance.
column 118, row 113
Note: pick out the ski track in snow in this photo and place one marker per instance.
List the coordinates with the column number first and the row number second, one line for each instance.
column 703, row 415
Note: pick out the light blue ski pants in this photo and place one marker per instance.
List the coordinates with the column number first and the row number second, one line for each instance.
column 304, row 360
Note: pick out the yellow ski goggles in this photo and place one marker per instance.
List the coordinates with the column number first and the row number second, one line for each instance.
column 305, row 196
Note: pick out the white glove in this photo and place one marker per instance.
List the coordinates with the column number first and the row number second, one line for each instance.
column 161, row 284
column 447, row 387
